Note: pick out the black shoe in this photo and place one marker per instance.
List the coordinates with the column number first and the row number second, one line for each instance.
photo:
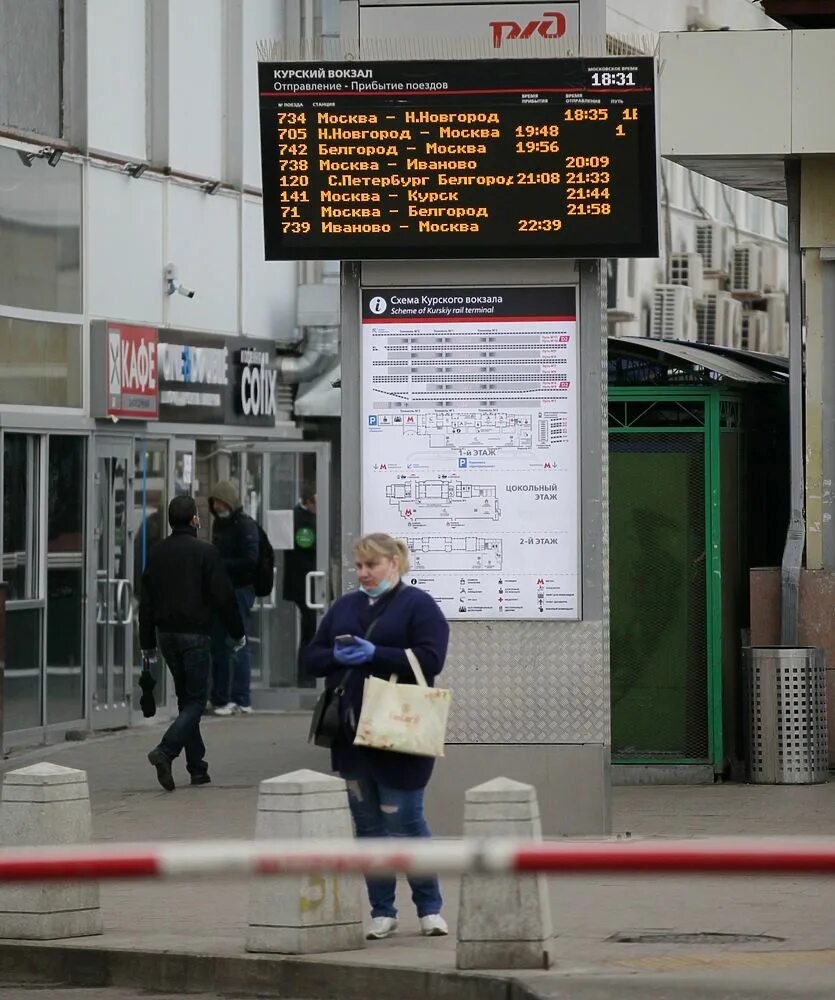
column 201, row 779
column 163, row 765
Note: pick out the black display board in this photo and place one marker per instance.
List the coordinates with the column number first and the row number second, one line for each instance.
column 492, row 158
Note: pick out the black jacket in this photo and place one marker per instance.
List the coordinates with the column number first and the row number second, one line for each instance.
column 236, row 539
column 183, row 585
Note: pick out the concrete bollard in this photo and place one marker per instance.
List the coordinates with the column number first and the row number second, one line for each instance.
column 305, row 914
column 45, row 805
column 504, row 922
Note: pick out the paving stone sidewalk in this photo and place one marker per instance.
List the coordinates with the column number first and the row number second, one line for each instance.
column 777, row 934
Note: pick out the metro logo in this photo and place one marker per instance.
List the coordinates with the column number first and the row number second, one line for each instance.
column 512, row 30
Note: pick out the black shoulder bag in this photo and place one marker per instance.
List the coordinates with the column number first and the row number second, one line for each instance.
column 327, row 722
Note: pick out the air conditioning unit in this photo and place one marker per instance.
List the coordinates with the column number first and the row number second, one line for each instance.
column 778, row 327
column 687, row 269
column 770, row 267
column 746, row 278
column 672, row 313
column 754, row 331
column 712, row 246
column 717, row 320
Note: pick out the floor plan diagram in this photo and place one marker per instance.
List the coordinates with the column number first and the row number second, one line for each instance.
column 437, row 552
column 465, row 428
column 444, row 498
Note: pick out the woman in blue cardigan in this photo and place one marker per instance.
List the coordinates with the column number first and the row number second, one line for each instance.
column 385, row 789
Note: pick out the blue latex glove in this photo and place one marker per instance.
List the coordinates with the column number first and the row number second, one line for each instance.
column 358, row 652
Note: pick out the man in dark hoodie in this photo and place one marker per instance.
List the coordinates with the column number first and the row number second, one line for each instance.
column 183, row 586
column 235, row 536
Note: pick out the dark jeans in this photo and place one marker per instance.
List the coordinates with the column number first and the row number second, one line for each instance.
column 380, row 811
column 189, row 659
column 232, row 685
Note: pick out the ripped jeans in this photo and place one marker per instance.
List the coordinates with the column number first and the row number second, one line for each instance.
column 380, row 811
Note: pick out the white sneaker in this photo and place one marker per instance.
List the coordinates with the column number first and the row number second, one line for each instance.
column 433, row 925
column 380, row 927
column 243, row 709
column 227, row 709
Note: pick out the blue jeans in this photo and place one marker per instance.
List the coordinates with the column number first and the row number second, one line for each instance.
column 189, row 659
column 379, row 811
column 236, row 688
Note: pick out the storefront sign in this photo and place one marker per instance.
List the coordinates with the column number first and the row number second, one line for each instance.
column 125, row 371
column 206, row 379
column 255, row 382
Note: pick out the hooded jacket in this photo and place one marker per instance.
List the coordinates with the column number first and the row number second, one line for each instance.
column 235, row 537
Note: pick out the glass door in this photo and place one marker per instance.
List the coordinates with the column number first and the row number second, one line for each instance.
column 112, row 584
column 286, row 488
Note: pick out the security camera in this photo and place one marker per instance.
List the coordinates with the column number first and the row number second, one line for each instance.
column 173, row 284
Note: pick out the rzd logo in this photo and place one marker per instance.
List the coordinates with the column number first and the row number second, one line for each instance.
column 511, row 30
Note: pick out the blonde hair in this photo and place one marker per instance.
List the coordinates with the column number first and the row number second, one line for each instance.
column 381, row 545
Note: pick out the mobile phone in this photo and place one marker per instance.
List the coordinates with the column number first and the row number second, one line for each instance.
column 345, row 640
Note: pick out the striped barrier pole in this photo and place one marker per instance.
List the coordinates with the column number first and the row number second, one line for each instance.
column 196, row 859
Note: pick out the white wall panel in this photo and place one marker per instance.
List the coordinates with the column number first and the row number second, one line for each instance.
column 725, row 93
column 262, row 19
column 116, row 77
column 125, row 246
column 196, row 86
column 203, row 243
column 813, row 83
column 270, row 286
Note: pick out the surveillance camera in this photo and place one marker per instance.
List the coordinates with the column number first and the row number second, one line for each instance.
column 172, row 282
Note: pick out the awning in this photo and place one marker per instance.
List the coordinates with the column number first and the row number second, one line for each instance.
column 760, row 369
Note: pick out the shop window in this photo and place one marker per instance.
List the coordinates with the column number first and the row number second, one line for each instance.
column 31, row 85
column 24, row 622
column 65, row 580
column 40, row 230
column 40, row 363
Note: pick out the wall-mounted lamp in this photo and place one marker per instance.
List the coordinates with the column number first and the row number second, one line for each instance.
column 210, row 187
column 52, row 156
column 135, row 169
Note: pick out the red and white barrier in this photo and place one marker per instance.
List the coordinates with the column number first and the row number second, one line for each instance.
column 198, row 859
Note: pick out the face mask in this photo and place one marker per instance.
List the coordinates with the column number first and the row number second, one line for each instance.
column 223, row 514
column 377, row 591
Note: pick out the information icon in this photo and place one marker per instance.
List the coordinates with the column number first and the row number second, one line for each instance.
column 378, row 305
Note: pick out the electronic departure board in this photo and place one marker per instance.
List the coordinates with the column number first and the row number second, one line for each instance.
column 494, row 158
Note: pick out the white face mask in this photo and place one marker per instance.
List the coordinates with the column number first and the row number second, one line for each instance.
column 223, row 514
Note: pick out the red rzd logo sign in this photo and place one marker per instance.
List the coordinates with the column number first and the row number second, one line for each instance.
column 552, row 25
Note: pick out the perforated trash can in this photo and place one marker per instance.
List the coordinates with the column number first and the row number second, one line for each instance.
column 785, row 708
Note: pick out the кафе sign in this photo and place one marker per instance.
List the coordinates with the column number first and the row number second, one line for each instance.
column 142, row 373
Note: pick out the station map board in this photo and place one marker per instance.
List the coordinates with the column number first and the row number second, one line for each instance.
column 470, row 446
column 462, row 159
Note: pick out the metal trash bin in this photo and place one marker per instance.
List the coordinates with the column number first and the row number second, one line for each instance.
column 785, row 710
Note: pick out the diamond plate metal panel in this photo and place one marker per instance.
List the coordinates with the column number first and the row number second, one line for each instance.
column 528, row 682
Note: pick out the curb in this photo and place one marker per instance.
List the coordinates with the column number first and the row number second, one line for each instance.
column 25, row 963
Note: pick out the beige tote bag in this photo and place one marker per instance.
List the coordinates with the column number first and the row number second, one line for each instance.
column 406, row 718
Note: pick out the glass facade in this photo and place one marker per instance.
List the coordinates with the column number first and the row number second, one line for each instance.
column 40, row 363
column 40, row 233
column 31, row 74
column 43, row 565
column 65, row 579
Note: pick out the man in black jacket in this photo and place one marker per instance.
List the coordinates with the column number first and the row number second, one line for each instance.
column 184, row 584
column 235, row 536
